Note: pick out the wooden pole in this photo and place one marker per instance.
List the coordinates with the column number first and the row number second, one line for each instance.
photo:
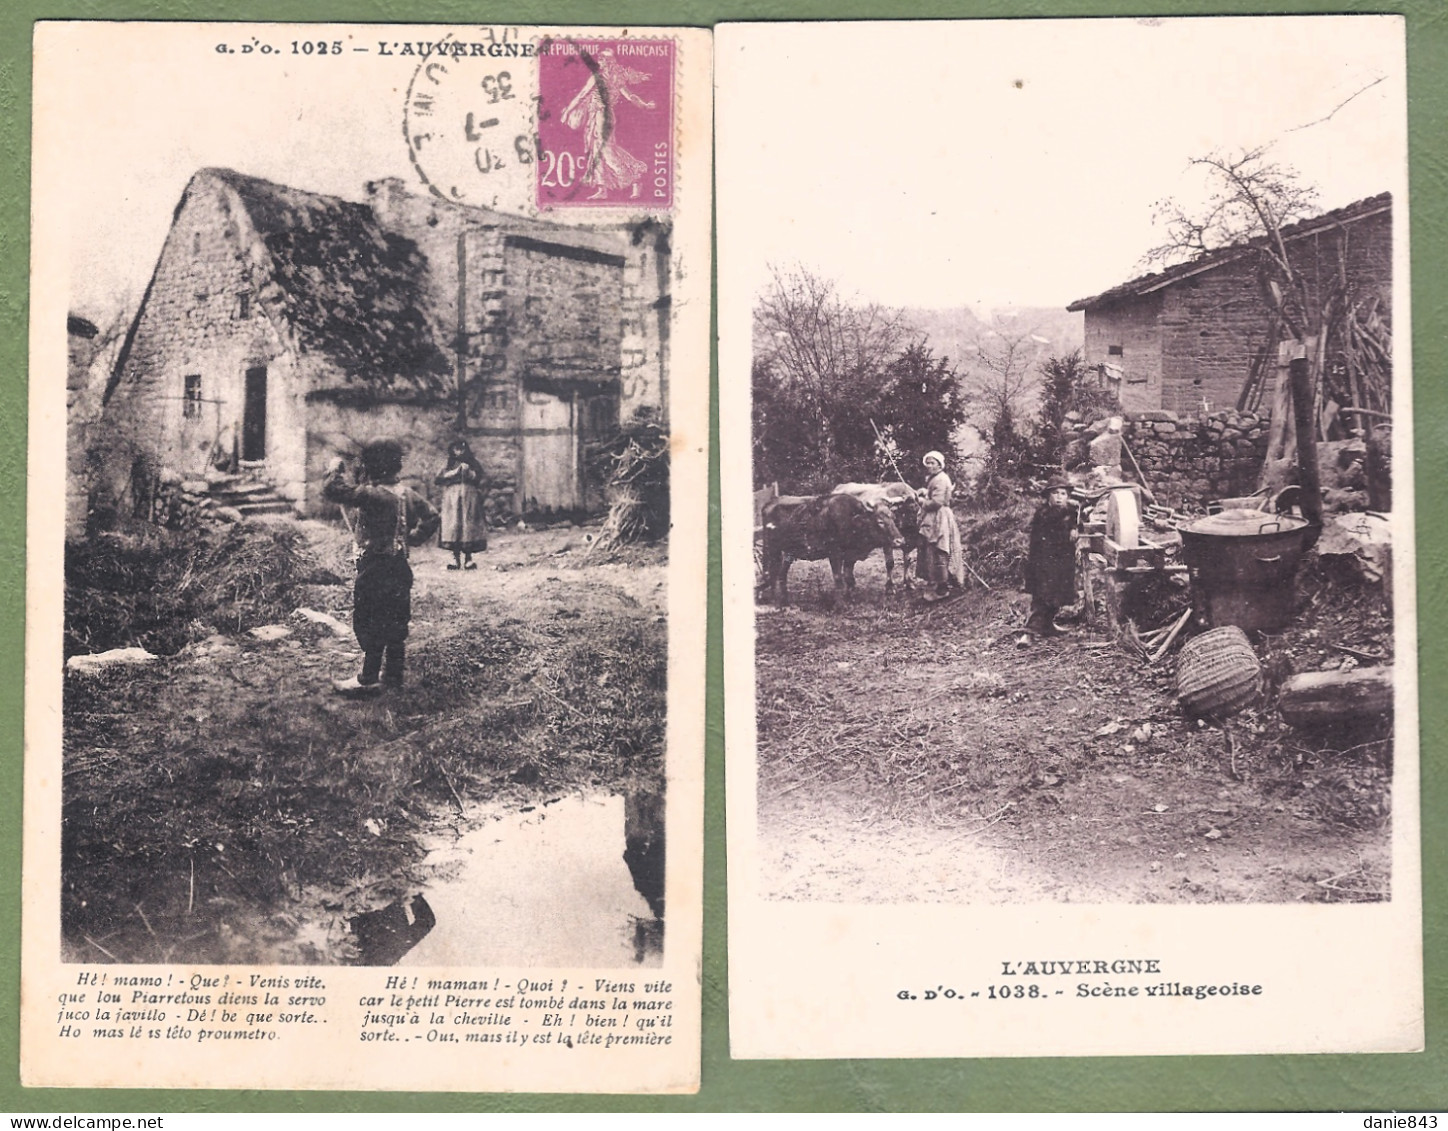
column 1300, row 374
column 1136, row 467
column 461, row 342
column 1175, row 631
column 881, row 441
column 1280, row 448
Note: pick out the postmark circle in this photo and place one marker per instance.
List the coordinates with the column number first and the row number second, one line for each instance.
column 469, row 119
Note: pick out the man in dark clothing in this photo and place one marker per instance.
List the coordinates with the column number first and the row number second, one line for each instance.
column 1051, row 566
column 390, row 518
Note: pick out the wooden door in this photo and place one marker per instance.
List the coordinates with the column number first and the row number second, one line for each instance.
column 550, row 452
column 253, row 418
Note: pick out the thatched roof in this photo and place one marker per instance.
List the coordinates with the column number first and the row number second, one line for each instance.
column 1146, row 284
column 332, row 280
column 348, row 289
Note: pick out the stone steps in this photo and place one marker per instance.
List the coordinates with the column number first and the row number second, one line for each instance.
column 233, row 498
column 276, row 505
column 248, row 495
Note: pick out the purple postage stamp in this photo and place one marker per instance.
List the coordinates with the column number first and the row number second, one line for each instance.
column 606, row 123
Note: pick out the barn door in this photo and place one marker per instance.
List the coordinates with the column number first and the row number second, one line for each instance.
column 253, row 417
column 550, row 452
column 597, row 417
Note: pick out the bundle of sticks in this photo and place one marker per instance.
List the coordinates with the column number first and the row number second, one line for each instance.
column 1155, row 644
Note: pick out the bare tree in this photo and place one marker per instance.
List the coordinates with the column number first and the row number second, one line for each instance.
column 1251, row 205
column 1250, row 200
column 112, row 332
column 999, row 382
column 821, row 351
column 999, row 387
column 1343, row 327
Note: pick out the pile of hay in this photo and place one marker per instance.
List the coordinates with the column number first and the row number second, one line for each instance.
column 635, row 468
column 161, row 589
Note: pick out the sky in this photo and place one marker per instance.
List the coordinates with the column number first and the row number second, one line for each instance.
column 127, row 113
column 980, row 163
column 1000, row 163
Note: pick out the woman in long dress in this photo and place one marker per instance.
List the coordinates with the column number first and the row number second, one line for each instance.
column 608, row 165
column 940, row 545
column 464, row 523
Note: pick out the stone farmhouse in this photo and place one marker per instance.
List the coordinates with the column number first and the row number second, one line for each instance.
column 282, row 328
column 81, row 336
column 1186, row 337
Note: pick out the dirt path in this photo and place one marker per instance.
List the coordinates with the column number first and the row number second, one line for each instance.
column 910, row 753
column 224, row 804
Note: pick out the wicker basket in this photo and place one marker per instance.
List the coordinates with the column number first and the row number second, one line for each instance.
column 1218, row 673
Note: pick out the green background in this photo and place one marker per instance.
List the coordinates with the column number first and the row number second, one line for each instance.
column 1301, row 1083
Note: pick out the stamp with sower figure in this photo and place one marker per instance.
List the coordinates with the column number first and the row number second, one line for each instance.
column 605, row 123
column 531, row 125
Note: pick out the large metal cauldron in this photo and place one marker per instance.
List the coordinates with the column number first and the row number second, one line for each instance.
column 1243, row 567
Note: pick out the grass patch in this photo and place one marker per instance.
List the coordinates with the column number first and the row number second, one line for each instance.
column 208, row 797
column 163, row 589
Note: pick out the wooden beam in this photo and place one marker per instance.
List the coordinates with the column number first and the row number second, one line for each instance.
column 1300, row 373
column 1322, row 698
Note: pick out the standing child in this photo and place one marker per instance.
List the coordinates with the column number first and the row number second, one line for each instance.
column 390, row 518
column 1051, row 566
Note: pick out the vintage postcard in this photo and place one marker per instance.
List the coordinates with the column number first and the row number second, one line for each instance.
column 365, row 661
column 1069, row 597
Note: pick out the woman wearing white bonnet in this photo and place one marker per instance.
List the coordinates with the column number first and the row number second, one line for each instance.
column 942, row 555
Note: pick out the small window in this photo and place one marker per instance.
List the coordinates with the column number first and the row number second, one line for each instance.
column 243, row 305
column 1113, row 351
column 191, row 399
column 195, row 243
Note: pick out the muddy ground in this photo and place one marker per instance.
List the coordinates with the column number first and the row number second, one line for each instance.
column 914, row 752
column 222, row 804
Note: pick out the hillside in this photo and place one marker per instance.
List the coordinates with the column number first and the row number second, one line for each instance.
column 952, row 332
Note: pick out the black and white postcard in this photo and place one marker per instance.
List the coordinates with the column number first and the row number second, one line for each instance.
column 364, row 731
column 1068, row 538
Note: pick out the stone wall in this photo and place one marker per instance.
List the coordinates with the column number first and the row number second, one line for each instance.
column 201, row 318
column 617, row 274
column 1192, row 340
column 547, row 308
column 578, row 310
column 424, row 431
column 564, row 310
column 1125, row 336
column 1188, row 461
column 1211, row 327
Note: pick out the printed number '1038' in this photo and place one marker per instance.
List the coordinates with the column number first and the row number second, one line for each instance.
column 1000, row 993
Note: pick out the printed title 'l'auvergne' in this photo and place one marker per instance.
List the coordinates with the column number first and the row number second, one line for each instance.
column 1036, row 968
column 456, row 50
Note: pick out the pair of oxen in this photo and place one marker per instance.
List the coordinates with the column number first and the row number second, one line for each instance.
column 845, row 526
